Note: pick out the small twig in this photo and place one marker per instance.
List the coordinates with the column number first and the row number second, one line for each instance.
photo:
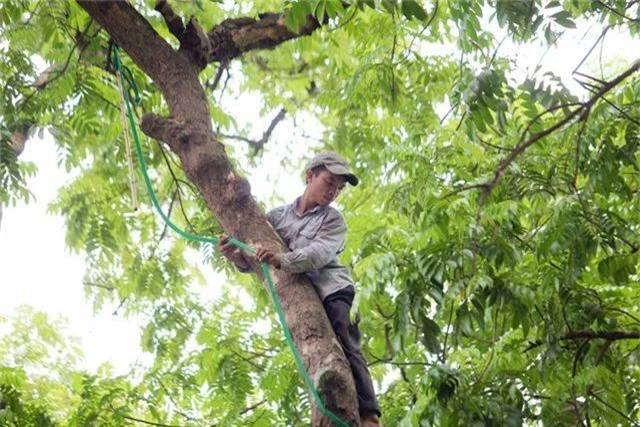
column 392, row 68
column 539, row 116
column 346, row 21
column 625, row 313
column 589, row 217
column 446, row 335
column 451, row 110
column 175, row 404
column 615, row 12
column 488, row 144
column 602, row 82
column 163, row 234
column 461, row 121
column 419, row 34
column 493, row 348
column 602, row 351
column 122, row 301
column 614, row 409
column 252, row 407
column 590, row 335
column 382, row 313
column 433, row 15
column 495, row 52
column 582, row 348
column 59, row 74
column 483, row 186
column 247, row 360
column 96, row 285
column 218, row 76
column 179, row 191
column 589, row 86
column 576, row 410
column 564, row 314
column 258, row 145
column 226, row 81
column 389, row 361
column 387, row 341
column 621, row 111
column 604, row 32
column 150, row 423
column 31, row 14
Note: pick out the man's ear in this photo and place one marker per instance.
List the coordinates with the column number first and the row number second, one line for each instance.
column 309, row 175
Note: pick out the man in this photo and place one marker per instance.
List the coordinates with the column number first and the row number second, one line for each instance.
column 315, row 234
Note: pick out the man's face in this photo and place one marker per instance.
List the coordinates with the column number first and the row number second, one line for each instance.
column 325, row 186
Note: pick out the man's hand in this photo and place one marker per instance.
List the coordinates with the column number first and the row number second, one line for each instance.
column 233, row 253
column 268, row 256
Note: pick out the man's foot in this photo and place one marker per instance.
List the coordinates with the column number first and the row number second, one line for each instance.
column 370, row 420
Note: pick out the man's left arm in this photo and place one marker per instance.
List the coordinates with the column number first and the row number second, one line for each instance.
column 326, row 244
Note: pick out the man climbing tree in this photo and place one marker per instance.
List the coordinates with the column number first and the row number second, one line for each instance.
column 188, row 132
column 315, row 234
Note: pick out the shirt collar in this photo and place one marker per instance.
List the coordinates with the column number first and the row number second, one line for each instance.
column 312, row 211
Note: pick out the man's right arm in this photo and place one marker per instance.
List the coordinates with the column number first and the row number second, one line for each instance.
column 233, row 254
column 236, row 255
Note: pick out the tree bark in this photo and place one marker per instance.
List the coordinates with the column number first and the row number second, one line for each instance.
column 188, row 131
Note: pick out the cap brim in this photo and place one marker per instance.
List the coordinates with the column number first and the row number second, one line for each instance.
column 342, row 171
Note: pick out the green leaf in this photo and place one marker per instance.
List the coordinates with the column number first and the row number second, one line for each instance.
column 297, row 13
column 320, row 10
column 389, row 6
column 430, row 332
column 564, row 18
column 411, row 9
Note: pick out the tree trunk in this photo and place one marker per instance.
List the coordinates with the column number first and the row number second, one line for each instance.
column 188, row 131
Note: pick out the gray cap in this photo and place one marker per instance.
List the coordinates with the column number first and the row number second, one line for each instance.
column 336, row 164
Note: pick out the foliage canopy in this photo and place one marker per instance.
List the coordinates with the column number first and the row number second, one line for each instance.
column 494, row 240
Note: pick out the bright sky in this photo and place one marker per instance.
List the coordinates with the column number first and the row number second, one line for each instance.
column 37, row 270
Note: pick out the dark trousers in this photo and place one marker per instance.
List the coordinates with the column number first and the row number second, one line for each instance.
column 338, row 306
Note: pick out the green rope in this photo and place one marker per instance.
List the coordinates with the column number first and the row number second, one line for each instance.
column 121, row 70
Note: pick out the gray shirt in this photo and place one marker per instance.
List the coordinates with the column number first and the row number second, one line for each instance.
column 314, row 239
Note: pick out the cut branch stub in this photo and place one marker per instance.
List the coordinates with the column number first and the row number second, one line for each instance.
column 196, row 44
column 173, row 21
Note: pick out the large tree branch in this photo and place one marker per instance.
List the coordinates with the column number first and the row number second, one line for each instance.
column 151, row 53
column 232, row 37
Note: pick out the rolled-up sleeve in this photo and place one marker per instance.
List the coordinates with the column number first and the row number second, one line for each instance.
column 327, row 243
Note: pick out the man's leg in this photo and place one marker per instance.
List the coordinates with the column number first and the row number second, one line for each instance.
column 338, row 306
